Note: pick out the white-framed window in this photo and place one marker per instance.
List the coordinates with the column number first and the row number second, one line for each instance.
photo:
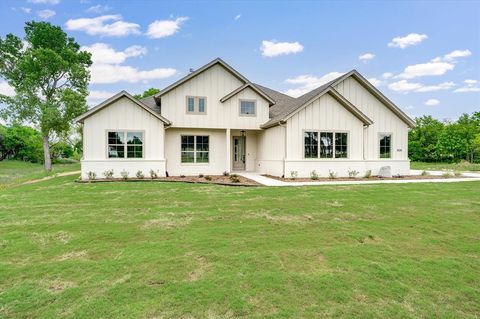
column 195, row 148
column 248, row 108
column 319, row 144
column 385, row 145
column 125, row 144
column 196, row 105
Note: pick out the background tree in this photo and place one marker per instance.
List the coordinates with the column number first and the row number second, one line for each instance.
column 146, row 93
column 20, row 142
column 423, row 139
column 50, row 76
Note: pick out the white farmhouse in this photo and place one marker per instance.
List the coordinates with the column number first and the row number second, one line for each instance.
column 215, row 120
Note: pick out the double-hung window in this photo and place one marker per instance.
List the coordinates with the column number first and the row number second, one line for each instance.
column 248, row 108
column 194, row 149
column 325, row 144
column 125, row 144
column 385, row 145
column 196, row 105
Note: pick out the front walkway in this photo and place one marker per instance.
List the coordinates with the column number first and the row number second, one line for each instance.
column 266, row 181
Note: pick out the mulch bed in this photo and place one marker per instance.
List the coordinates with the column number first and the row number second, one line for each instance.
column 372, row 178
column 207, row 179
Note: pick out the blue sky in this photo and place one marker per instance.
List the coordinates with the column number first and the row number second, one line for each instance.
column 425, row 56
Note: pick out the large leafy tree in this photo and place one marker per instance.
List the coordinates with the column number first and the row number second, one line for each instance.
column 423, row 138
column 50, row 75
column 146, row 93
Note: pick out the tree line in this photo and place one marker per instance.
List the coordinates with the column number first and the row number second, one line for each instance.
column 432, row 140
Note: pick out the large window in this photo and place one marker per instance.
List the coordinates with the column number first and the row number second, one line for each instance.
column 325, row 144
column 194, row 149
column 196, row 104
column 385, row 145
column 125, row 144
column 248, row 108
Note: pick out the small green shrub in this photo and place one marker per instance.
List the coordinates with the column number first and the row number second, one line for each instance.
column 124, row 174
column 92, row 176
column 153, row 174
column 226, row 173
column 140, row 175
column 208, row 178
column 293, row 174
column 234, row 178
column 425, row 173
column 108, row 173
column 314, row 175
column 368, row 174
column 353, row 173
column 332, row 174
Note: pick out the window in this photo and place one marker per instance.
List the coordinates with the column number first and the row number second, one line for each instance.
column 123, row 144
column 194, row 149
column 330, row 144
column 248, row 108
column 311, row 144
column 326, row 145
column 341, row 145
column 385, row 145
column 196, row 104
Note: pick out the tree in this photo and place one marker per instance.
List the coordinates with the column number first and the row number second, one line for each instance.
column 423, row 138
column 20, row 142
column 147, row 93
column 50, row 75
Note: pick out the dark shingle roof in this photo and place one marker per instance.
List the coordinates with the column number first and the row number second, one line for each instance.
column 150, row 102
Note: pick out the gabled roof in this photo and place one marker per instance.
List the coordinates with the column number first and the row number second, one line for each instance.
column 287, row 106
column 155, row 111
column 202, row 69
column 243, row 87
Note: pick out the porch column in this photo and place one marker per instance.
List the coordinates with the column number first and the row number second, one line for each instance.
column 229, row 155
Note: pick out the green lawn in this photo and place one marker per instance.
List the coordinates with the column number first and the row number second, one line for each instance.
column 445, row 166
column 173, row 250
column 16, row 172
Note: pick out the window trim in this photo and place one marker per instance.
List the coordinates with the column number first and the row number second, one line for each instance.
column 196, row 105
column 333, row 146
column 391, row 145
column 240, row 107
column 125, row 147
column 195, row 149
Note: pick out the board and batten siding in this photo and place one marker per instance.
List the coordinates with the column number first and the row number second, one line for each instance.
column 214, row 83
column 122, row 115
column 385, row 121
column 271, row 151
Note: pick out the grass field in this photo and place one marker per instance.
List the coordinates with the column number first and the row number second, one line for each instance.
column 16, row 172
column 445, row 166
column 173, row 250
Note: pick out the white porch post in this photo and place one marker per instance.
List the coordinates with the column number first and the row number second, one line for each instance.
column 229, row 156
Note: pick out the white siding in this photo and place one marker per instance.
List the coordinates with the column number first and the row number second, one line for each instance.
column 271, row 151
column 214, row 84
column 384, row 120
column 122, row 115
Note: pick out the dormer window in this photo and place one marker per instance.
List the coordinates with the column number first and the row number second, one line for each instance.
column 248, row 108
column 196, row 105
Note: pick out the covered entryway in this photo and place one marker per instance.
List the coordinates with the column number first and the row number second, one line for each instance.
column 239, row 153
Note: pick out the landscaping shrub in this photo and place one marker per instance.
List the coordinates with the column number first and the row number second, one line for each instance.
column 139, row 175
column 124, row 174
column 108, row 173
column 314, row 175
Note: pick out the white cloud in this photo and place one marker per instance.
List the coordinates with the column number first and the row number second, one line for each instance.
column 432, row 102
column 98, row 26
column 238, row 16
column 309, row 82
column 102, row 53
column 408, row 40
column 365, row 57
column 46, row 14
column 274, row 48
column 98, row 8
column 387, row 75
column 409, row 107
column 26, row 10
column 113, row 73
column 403, row 86
column 95, row 97
column 6, row 89
column 164, row 28
column 470, row 86
column 426, row 69
column 452, row 56
column 44, row 1
column 376, row 82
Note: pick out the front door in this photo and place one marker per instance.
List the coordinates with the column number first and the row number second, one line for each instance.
column 239, row 153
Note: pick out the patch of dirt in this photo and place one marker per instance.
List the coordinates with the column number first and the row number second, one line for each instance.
column 72, row 255
column 370, row 239
column 56, row 286
column 200, row 270
column 45, row 239
column 287, row 219
column 170, row 221
column 372, row 178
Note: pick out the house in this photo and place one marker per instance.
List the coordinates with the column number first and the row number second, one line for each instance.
column 215, row 120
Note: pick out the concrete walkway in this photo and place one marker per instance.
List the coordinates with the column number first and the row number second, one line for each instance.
column 266, row 181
